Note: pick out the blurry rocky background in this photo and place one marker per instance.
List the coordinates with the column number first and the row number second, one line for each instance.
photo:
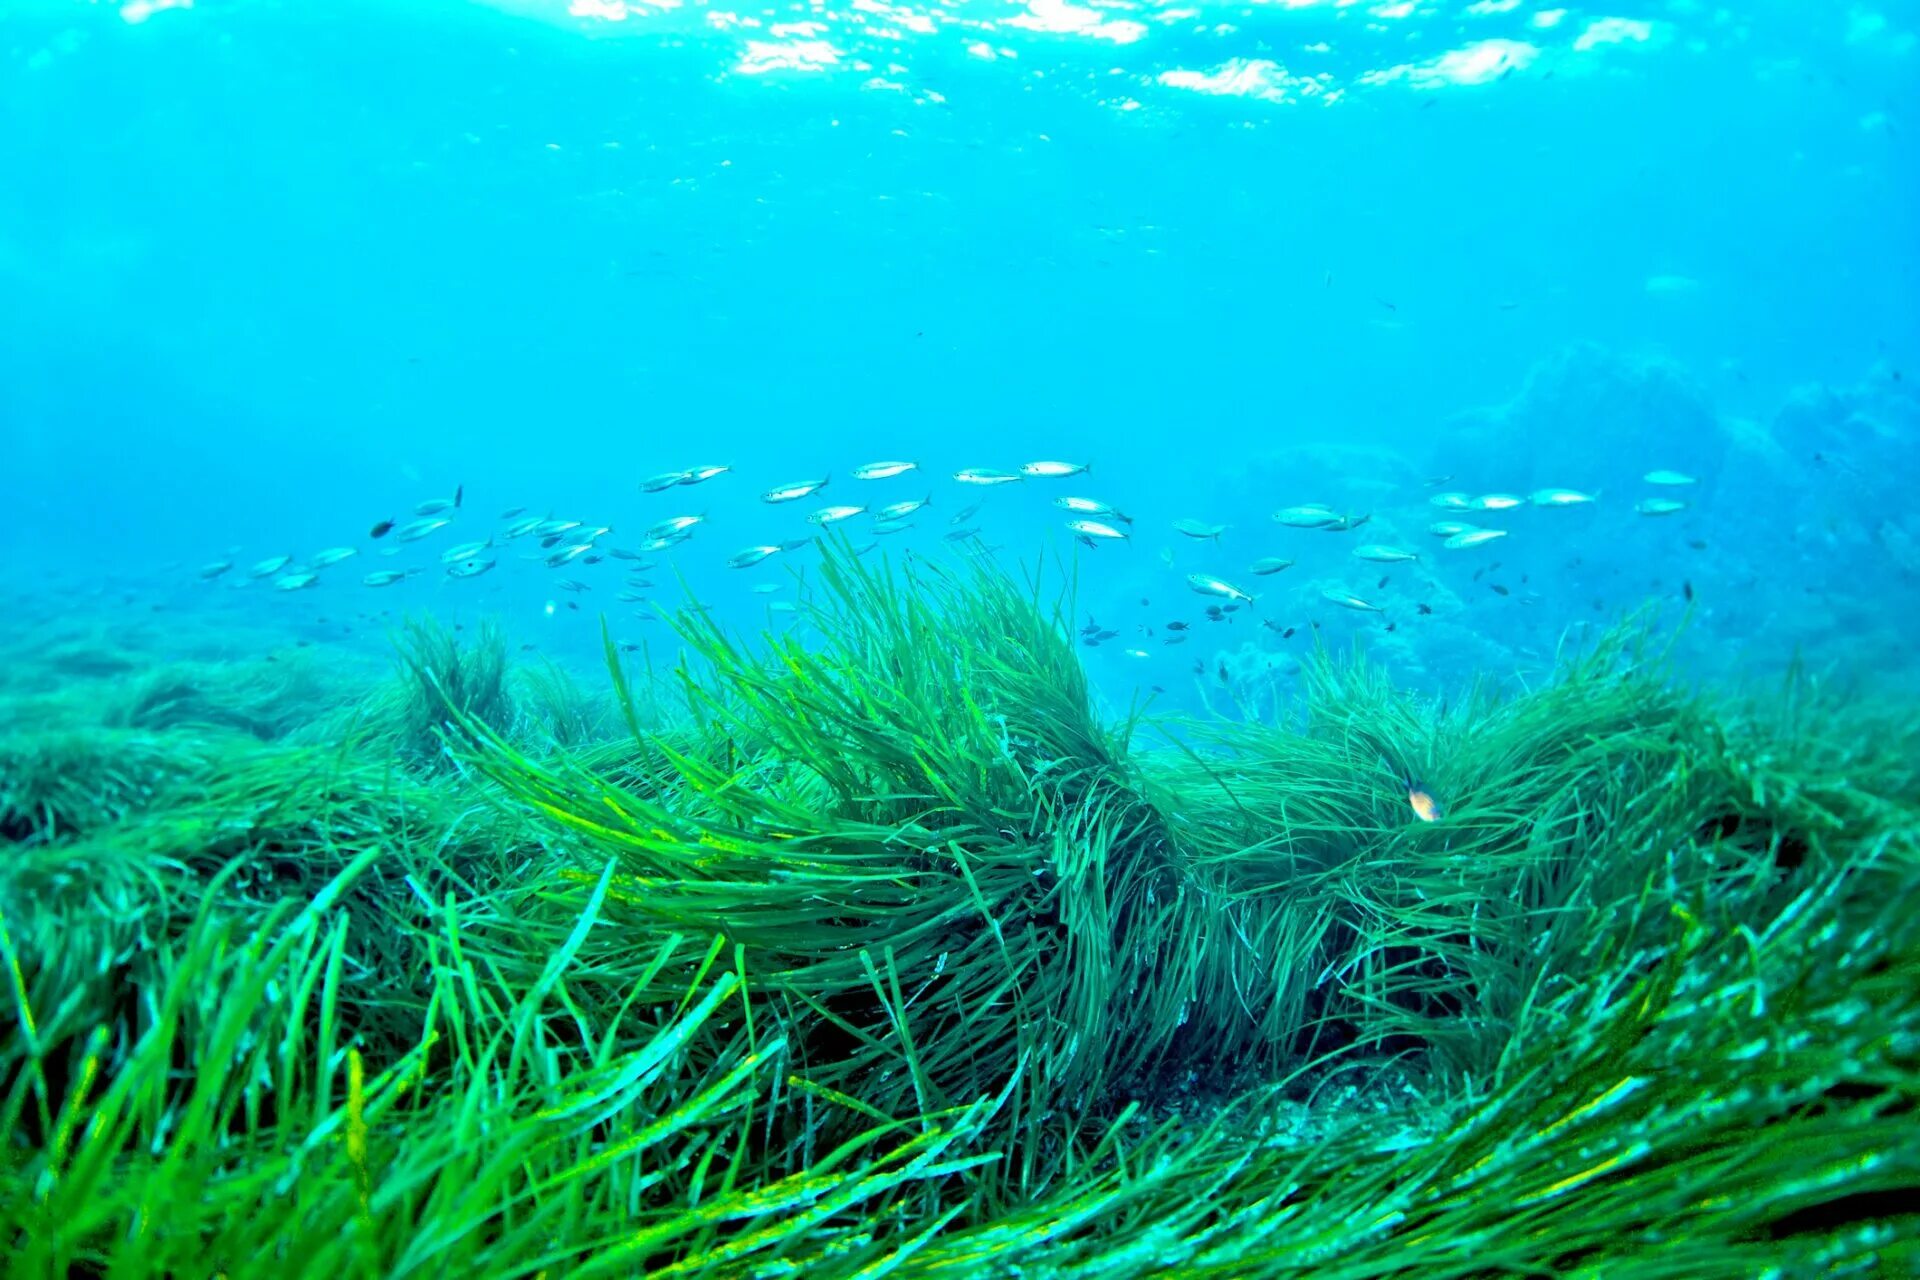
column 1800, row 541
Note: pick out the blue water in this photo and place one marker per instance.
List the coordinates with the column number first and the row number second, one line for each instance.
column 270, row 272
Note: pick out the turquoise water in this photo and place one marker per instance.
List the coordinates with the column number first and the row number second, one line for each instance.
column 394, row 881
column 272, row 272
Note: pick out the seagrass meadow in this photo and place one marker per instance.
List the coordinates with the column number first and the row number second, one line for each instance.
column 874, row 949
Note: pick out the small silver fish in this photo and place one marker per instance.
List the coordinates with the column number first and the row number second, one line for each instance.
column 1311, row 516
column 418, row 529
column 1380, row 553
column 549, row 528
column 296, row 582
column 1496, row 502
column 664, row 481
column 967, row 512
column 1451, row 501
column 1347, row 600
column 764, row 588
column 901, row 510
column 465, row 551
column 1659, row 506
column 1208, row 585
column 959, row 535
column 833, row 515
column 1559, row 498
column 434, row 506
column 1053, row 470
column 568, row 584
column 1092, row 507
column 511, row 512
column 698, row 475
column 882, row 470
column 673, row 525
column 215, row 569
column 1668, row 478
column 1448, row 528
column 271, row 565
column 520, row 528
column 1200, row 529
column 1474, row 538
column 332, row 555
column 1096, row 529
column 471, row 568
column 1271, row 564
column 387, row 577
column 984, row 476
column 799, row 489
column 747, row 557
column 567, row 555
column 892, row 526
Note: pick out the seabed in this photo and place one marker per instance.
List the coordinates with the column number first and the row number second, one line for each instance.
column 883, row 953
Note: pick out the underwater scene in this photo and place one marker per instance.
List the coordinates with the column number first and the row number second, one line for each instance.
column 1069, row 639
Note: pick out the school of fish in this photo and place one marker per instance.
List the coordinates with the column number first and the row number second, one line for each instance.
column 565, row 544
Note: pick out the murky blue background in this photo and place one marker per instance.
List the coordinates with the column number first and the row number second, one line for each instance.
column 270, row 272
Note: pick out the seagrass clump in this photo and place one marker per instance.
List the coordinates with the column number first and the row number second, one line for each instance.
column 878, row 948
